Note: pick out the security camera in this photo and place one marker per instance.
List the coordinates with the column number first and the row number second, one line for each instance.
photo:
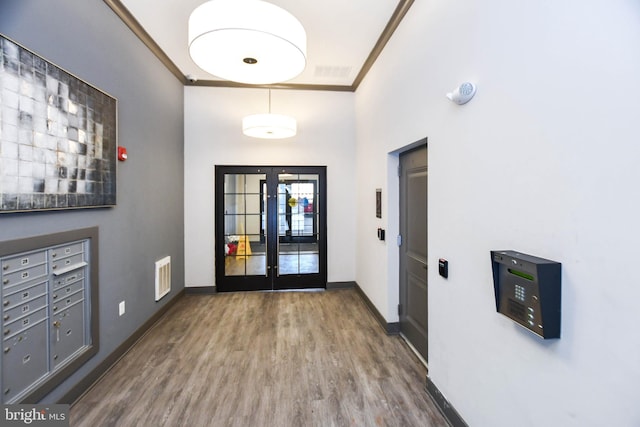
column 191, row 78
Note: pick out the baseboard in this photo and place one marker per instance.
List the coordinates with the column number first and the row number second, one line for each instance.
column 341, row 285
column 92, row 377
column 389, row 328
column 443, row 404
column 199, row 290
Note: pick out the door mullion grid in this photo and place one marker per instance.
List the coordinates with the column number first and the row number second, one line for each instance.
column 272, row 249
column 271, row 277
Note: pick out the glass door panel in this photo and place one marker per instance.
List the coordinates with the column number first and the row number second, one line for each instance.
column 298, row 251
column 245, row 254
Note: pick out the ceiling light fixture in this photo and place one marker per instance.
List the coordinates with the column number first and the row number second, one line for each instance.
column 247, row 41
column 269, row 126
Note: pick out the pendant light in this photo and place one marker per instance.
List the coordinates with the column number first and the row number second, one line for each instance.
column 269, row 126
column 247, row 41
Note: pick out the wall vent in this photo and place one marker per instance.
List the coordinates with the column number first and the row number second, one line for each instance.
column 163, row 277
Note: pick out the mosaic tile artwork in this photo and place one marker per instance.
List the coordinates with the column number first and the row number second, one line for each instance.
column 58, row 136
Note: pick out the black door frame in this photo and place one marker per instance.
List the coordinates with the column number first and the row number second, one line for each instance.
column 270, row 281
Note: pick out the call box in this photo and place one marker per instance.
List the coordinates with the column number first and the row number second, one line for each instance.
column 528, row 291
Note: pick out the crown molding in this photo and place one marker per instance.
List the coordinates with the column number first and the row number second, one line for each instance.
column 389, row 29
column 133, row 24
column 130, row 21
column 292, row 86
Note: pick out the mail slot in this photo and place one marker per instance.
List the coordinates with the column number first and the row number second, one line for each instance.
column 528, row 291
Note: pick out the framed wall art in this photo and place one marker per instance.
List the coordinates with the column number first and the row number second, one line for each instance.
column 58, row 136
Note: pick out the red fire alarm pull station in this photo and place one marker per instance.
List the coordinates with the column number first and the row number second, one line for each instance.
column 122, row 154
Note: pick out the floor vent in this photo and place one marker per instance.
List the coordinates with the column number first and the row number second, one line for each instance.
column 163, row 277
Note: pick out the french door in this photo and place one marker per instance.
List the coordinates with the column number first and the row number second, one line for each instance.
column 270, row 228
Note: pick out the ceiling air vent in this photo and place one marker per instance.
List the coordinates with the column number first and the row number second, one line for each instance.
column 332, row 72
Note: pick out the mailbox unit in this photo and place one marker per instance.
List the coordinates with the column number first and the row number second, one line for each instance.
column 528, row 291
column 49, row 319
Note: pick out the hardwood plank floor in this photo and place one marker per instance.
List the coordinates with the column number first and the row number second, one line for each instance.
column 263, row 359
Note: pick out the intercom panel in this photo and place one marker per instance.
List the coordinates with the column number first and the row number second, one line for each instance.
column 528, row 291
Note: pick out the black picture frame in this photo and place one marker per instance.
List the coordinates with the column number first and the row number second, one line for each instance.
column 378, row 202
column 58, row 136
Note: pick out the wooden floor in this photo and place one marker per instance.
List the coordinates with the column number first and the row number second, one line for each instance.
column 263, row 359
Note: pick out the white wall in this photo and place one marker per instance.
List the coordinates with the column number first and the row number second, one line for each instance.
column 213, row 136
column 543, row 160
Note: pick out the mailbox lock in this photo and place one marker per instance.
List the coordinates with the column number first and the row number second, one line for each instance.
column 7, row 331
column 56, row 325
column 5, row 281
column 6, row 317
column 5, row 267
column 6, row 303
column 7, row 349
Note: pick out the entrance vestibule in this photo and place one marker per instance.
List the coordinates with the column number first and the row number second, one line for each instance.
column 270, row 227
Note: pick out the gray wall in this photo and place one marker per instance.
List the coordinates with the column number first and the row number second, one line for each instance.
column 87, row 39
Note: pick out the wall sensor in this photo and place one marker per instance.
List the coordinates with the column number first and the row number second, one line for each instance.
column 463, row 93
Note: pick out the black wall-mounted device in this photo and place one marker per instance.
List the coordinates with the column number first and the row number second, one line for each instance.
column 381, row 234
column 443, row 267
column 528, row 291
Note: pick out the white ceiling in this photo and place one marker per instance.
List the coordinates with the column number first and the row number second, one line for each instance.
column 340, row 34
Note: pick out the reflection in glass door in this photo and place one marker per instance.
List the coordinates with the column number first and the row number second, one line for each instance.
column 298, row 251
column 270, row 228
column 245, row 254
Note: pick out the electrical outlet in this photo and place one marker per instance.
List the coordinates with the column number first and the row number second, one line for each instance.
column 121, row 308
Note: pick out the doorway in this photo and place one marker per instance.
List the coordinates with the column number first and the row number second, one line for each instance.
column 270, row 227
column 413, row 249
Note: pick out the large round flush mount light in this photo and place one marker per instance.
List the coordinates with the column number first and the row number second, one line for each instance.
column 247, row 41
column 269, row 126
